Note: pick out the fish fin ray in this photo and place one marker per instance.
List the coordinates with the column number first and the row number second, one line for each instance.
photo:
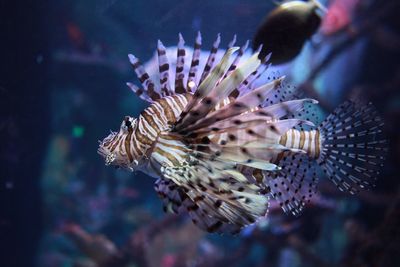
column 148, row 85
column 294, row 185
column 354, row 146
column 221, row 199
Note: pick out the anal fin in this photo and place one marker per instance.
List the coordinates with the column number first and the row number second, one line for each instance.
column 294, row 185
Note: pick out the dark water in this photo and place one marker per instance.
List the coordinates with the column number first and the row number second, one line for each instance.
column 63, row 72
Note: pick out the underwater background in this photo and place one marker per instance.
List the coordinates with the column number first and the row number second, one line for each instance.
column 64, row 69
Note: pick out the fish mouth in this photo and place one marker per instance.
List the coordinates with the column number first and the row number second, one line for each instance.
column 101, row 151
column 103, row 148
column 113, row 159
column 107, row 155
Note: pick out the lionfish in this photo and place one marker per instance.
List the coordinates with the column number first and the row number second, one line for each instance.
column 221, row 149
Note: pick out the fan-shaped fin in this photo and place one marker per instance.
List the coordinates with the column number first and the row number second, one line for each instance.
column 353, row 146
column 294, row 185
column 203, row 90
column 221, row 91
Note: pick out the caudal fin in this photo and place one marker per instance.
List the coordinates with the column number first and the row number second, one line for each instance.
column 353, row 147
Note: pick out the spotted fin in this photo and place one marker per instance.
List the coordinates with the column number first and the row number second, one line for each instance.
column 173, row 196
column 284, row 92
column 293, row 185
column 353, row 146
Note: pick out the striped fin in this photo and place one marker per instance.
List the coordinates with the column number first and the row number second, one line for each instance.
column 201, row 218
column 140, row 92
column 188, row 116
column 144, row 78
column 180, row 64
column 221, row 91
column 174, row 198
column 235, row 77
column 242, row 104
column 353, row 146
column 211, row 58
column 230, row 45
column 234, row 64
column 245, row 89
column 163, row 67
column 191, row 84
column 223, row 202
column 217, row 216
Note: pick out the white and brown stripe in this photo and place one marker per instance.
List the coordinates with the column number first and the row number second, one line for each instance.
column 163, row 67
column 168, row 150
column 191, row 83
column 144, row 77
column 308, row 141
column 180, row 64
column 152, row 122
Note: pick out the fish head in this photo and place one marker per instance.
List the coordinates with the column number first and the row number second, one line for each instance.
column 116, row 147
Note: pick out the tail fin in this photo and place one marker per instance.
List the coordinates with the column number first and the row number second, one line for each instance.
column 353, row 147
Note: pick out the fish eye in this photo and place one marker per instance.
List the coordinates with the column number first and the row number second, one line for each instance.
column 127, row 123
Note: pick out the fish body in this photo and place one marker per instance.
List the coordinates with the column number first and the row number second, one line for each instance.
column 149, row 138
column 220, row 148
column 285, row 30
